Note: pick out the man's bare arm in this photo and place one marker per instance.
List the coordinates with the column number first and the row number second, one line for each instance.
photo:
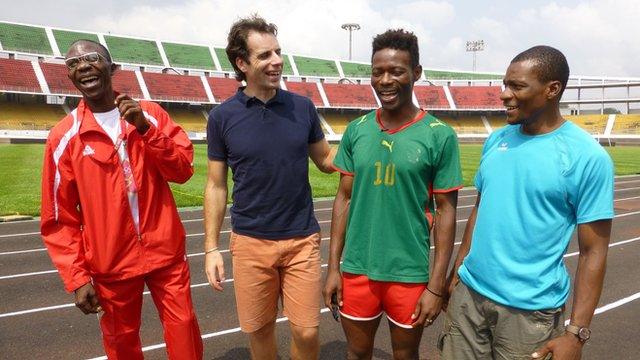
column 215, row 205
column 322, row 155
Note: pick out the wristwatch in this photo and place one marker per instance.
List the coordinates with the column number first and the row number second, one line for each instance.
column 583, row 333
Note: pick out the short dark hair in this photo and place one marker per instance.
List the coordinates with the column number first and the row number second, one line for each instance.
column 398, row 39
column 104, row 49
column 550, row 64
column 237, row 39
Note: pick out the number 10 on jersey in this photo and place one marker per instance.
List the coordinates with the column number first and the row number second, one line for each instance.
column 389, row 174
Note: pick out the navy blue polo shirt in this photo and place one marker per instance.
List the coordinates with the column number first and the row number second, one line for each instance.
column 267, row 148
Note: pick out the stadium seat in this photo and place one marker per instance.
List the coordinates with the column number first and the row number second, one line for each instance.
column 222, row 88
column 496, row 122
column 431, row 97
column 476, row 97
column 18, row 75
column 222, row 58
column 358, row 70
column 457, row 75
column 338, row 122
column 65, row 38
column 188, row 56
column 133, row 51
column 191, row 120
column 465, row 124
column 173, row 87
column 23, row 38
column 350, row 95
column 308, row 89
column 626, row 125
column 594, row 124
column 19, row 116
column 316, row 67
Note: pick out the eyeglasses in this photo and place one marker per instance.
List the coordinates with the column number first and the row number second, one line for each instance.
column 92, row 57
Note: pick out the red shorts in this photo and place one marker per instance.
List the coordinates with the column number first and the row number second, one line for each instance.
column 364, row 299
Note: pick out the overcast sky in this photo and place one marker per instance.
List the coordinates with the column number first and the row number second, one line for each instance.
column 598, row 37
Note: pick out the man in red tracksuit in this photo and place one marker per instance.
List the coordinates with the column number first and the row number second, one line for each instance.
column 109, row 220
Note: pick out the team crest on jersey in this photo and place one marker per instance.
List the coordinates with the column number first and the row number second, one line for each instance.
column 503, row 146
column 388, row 145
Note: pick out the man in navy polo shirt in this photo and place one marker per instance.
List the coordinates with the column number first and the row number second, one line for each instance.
column 266, row 136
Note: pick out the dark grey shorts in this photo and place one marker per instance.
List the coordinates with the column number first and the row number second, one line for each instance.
column 477, row 328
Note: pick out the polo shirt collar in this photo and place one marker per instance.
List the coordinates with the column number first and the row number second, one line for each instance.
column 250, row 100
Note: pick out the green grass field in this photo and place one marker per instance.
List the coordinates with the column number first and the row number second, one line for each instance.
column 21, row 166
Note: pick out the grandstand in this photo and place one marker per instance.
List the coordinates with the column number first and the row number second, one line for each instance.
column 29, row 115
column 189, row 78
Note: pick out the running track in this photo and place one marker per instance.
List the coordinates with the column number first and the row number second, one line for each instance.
column 38, row 319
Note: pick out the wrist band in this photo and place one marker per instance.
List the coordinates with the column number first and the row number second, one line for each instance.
column 211, row 250
column 438, row 295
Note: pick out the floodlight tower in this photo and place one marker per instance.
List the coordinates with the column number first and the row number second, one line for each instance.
column 475, row 46
column 351, row 27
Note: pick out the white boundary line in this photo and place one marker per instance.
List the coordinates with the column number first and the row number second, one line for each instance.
column 320, row 209
column 16, row 313
column 466, row 188
column 599, row 310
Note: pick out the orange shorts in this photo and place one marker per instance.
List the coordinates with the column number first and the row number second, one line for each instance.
column 265, row 269
column 364, row 299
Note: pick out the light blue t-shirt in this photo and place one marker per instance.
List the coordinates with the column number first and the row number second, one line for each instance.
column 534, row 190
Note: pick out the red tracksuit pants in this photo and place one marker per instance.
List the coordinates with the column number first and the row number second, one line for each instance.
column 122, row 304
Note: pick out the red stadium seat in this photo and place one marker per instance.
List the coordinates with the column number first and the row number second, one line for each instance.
column 18, row 75
column 476, row 97
column 308, row 89
column 431, row 97
column 175, row 87
column 222, row 88
column 350, row 95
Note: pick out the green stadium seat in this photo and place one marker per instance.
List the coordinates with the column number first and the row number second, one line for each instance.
column 351, row 69
column 457, row 75
column 222, row 58
column 188, row 56
column 133, row 51
column 316, row 67
column 23, row 38
column 64, row 38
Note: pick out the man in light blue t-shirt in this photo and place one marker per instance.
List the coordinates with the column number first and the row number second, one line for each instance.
column 539, row 177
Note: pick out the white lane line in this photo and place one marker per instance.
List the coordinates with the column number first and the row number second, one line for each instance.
column 202, row 253
column 321, row 209
column 599, row 310
column 22, row 251
column 5, row 277
column 206, row 336
column 627, row 182
column 22, row 234
column 608, row 307
column 622, row 242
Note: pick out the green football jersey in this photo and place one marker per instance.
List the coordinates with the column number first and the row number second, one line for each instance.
column 395, row 175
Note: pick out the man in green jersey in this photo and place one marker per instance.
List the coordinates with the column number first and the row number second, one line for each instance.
column 395, row 162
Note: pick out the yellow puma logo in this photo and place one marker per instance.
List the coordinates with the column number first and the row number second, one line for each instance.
column 388, row 144
column 437, row 123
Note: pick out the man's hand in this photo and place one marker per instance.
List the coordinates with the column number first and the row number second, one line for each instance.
column 332, row 285
column 427, row 309
column 450, row 285
column 214, row 268
column 131, row 112
column 564, row 347
column 87, row 300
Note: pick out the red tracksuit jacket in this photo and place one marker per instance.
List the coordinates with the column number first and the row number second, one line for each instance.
column 86, row 220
